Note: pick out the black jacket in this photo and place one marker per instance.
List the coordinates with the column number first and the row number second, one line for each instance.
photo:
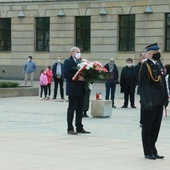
column 128, row 83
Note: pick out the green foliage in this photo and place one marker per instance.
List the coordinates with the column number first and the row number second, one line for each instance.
column 5, row 84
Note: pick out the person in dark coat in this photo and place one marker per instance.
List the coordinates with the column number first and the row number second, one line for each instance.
column 58, row 77
column 86, row 102
column 128, row 82
column 142, row 58
column 112, row 80
column 75, row 92
column 153, row 96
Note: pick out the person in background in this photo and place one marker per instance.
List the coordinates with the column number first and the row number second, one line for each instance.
column 49, row 74
column 142, row 58
column 128, row 82
column 112, row 80
column 167, row 78
column 75, row 92
column 153, row 96
column 29, row 70
column 43, row 84
column 86, row 101
column 58, row 77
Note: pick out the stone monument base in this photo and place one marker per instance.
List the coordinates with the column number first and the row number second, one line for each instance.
column 101, row 108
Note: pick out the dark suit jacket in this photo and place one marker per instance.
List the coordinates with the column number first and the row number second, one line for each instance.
column 151, row 91
column 54, row 68
column 73, row 88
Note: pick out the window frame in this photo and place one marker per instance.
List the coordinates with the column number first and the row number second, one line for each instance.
column 43, row 31
column 5, row 37
column 83, row 32
column 128, row 30
column 166, row 32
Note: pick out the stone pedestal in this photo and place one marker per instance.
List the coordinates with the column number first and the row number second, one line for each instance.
column 101, row 108
column 19, row 91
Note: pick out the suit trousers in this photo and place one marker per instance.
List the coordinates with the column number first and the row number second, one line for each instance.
column 126, row 98
column 75, row 104
column 151, row 122
column 56, row 82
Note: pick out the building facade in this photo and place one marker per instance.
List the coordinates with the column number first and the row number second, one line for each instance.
column 46, row 29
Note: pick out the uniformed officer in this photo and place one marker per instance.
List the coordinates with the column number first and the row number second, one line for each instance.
column 153, row 97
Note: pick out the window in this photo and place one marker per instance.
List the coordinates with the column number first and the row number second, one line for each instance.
column 83, row 33
column 5, row 34
column 127, row 33
column 42, row 33
column 167, row 32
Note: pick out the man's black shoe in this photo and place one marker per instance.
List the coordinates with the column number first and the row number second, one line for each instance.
column 133, row 107
column 124, row 106
column 158, row 156
column 54, row 98
column 152, row 157
column 72, row 132
column 113, row 106
column 82, row 131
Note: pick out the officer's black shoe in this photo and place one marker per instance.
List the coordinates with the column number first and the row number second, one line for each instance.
column 152, row 157
column 158, row 156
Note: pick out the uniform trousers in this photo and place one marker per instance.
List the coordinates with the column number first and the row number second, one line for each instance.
column 75, row 104
column 151, row 122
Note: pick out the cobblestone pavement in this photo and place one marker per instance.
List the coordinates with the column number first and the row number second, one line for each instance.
column 33, row 137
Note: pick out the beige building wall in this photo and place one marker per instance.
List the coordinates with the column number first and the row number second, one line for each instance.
column 150, row 28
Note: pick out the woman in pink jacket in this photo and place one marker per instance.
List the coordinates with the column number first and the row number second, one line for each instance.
column 43, row 83
column 49, row 74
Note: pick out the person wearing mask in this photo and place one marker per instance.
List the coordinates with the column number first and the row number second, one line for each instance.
column 154, row 97
column 29, row 70
column 142, row 58
column 128, row 82
column 75, row 92
column 58, row 77
column 112, row 80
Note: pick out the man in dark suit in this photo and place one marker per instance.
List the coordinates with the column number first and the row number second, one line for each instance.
column 153, row 97
column 75, row 92
column 57, row 70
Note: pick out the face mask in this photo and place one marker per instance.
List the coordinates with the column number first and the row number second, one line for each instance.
column 156, row 56
column 58, row 61
column 28, row 59
column 77, row 55
column 129, row 65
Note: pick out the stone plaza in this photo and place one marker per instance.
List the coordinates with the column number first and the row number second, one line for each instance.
column 33, row 136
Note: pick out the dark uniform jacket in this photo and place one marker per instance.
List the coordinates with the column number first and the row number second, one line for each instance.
column 152, row 90
column 73, row 88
